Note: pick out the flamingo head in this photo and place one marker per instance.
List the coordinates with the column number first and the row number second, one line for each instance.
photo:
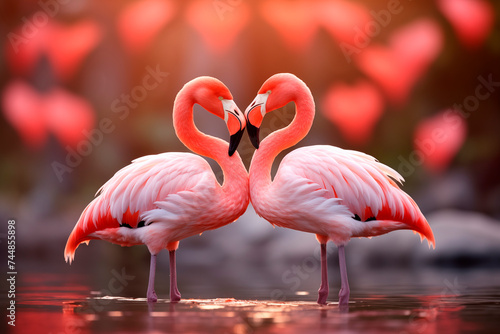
column 215, row 97
column 275, row 93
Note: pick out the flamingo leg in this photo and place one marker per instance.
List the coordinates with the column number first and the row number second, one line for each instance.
column 323, row 289
column 175, row 295
column 344, row 283
column 151, row 294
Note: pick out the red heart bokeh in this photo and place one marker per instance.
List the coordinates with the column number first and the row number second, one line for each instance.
column 140, row 21
column 438, row 138
column 34, row 115
column 340, row 17
column 294, row 20
column 21, row 106
column 397, row 67
column 355, row 109
column 65, row 46
column 472, row 20
column 218, row 26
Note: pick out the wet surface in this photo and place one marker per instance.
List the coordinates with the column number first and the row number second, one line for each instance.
column 48, row 305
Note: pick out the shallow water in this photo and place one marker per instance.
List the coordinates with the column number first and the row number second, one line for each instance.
column 48, row 304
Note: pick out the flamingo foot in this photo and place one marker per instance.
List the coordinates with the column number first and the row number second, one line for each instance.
column 175, row 296
column 152, row 298
column 344, row 297
column 322, row 296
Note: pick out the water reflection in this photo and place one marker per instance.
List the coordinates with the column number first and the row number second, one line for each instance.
column 70, row 309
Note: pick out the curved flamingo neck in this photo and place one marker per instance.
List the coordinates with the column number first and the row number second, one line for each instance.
column 279, row 140
column 235, row 174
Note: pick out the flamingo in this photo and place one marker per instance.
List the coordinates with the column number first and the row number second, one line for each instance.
column 335, row 193
column 160, row 199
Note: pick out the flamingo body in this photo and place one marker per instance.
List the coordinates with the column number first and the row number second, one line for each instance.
column 337, row 193
column 178, row 192
column 161, row 199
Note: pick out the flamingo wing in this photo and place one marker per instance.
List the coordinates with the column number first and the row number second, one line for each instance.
column 162, row 187
column 335, row 179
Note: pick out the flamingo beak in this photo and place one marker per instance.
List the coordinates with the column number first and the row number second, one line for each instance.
column 254, row 115
column 234, row 141
column 253, row 131
column 236, row 122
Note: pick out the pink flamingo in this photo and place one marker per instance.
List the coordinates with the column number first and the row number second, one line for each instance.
column 160, row 199
column 336, row 194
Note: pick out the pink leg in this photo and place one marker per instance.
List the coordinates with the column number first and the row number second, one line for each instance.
column 175, row 295
column 323, row 289
column 344, row 283
column 151, row 294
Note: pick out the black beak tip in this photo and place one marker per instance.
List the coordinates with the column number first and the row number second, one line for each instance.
column 253, row 133
column 255, row 143
column 234, row 141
